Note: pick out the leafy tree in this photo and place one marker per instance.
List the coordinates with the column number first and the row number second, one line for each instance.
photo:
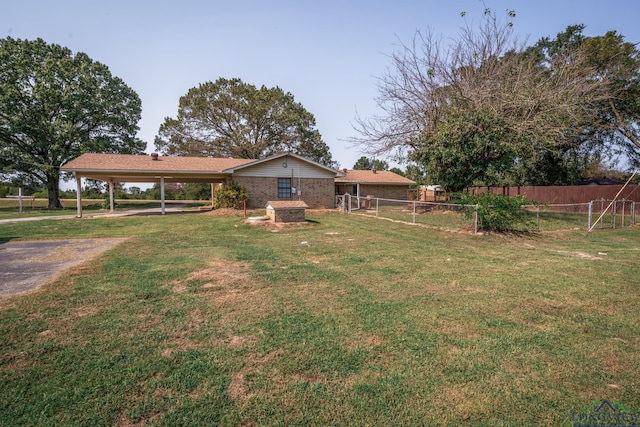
column 610, row 128
column 230, row 118
column 170, row 191
column 54, row 106
column 468, row 110
column 197, row 191
column 364, row 163
column 618, row 63
column 397, row 171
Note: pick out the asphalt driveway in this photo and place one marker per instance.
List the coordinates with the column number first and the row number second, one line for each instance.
column 24, row 265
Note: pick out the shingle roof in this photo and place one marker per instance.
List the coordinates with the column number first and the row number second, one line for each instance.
column 124, row 162
column 371, row 177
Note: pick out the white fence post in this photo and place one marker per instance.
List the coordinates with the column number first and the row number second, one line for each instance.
column 475, row 222
column 414, row 211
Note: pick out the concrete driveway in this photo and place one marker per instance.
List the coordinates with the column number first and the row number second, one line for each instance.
column 25, row 265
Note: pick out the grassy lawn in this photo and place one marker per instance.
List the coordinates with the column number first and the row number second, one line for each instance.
column 200, row 319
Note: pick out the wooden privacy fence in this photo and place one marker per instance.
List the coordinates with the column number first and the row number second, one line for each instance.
column 565, row 194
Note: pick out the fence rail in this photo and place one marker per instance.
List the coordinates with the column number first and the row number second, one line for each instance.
column 599, row 214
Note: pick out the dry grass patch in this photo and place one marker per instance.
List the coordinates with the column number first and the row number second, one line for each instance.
column 219, row 274
column 238, row 389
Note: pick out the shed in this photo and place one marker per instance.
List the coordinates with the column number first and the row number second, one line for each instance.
column 286, row 210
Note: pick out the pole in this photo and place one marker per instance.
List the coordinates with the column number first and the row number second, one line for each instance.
column 78, row 195
column 475, row 222
column 162, row 195
column 20, row 198
column 414, row 211
column 614, row 199
column 111, row 197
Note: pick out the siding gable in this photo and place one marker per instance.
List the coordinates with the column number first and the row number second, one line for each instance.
column 295, row 168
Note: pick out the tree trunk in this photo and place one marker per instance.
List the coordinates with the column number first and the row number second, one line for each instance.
column 53, row 190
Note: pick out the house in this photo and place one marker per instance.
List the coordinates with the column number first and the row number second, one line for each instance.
column 381, row 184
column 284, row 177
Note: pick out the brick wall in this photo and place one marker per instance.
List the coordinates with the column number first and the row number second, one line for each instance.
column 317, row 193
column 286, row 214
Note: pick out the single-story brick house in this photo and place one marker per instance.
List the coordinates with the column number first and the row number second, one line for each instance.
column 381, row 184
column 279, row 177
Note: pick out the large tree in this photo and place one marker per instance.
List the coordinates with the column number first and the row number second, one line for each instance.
column 230, row 118
column 365, row 163
column 56, row 105
column 617, row 62
column 612, row 127
column 471, row 109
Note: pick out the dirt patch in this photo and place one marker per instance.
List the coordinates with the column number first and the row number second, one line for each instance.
column 225, row 212
column 217, row 275
column 25, row 265
column 578, row 254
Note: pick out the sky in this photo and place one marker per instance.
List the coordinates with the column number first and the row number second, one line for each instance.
column 328, row 54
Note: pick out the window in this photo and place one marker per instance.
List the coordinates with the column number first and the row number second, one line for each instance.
column 284, row 188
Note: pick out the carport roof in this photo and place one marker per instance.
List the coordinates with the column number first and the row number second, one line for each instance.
column 139, row 168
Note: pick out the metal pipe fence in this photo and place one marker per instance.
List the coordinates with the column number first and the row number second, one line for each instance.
column 599, row 213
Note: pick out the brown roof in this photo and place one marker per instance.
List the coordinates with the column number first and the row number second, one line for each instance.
column 125, row 162
column 283, row 204
column 371, row 177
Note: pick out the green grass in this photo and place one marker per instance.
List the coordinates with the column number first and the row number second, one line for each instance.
column 204, row 320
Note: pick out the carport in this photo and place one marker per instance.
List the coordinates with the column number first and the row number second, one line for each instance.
column 113, row 168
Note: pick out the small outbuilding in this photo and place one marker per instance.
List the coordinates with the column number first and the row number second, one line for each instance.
column 286, row 210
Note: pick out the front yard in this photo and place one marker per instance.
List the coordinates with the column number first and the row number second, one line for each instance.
column 201, row 319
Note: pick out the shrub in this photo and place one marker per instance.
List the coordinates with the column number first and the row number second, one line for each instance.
column 229, row 195
column 498, row 212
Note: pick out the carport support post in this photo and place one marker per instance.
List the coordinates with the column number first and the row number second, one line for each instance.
column 78, row 195
column 213, row 191
column 162, row 194
column 110, row 197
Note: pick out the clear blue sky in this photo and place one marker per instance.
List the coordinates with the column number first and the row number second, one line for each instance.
column 326, row 53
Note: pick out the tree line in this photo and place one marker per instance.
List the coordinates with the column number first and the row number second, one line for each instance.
column 487, row 109
column 481, row 109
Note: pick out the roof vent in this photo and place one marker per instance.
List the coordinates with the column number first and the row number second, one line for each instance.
column 154, row 156
column 344, row 170
column 373, row 169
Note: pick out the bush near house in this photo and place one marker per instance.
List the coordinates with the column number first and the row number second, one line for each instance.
column 230, row 195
